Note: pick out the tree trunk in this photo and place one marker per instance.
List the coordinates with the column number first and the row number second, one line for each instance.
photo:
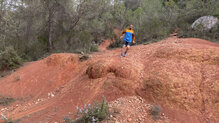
column 50, row 33
column 73, row 25
column 50, row 23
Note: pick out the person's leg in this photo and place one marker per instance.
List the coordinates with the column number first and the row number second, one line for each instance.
column 126, row 50
column 123, row 50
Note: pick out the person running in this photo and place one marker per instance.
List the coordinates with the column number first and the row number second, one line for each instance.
column 128, row 39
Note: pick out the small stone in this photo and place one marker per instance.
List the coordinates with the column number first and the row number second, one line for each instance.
column 129, row 119
column 52, row 95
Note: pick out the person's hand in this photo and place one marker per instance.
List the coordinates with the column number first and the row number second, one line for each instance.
column 121, row 37
column 133, row 42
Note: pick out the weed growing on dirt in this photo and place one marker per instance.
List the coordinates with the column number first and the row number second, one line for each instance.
column 91, row 113
column 155, row 112
column 8, row 119
column 84, row 57
column 6, row 73
column 17, row 77
column 6, row 100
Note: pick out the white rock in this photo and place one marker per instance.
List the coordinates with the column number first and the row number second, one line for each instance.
column 205, row 23
column 52, row 95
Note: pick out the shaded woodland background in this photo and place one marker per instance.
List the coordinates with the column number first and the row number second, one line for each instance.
column 32, row 29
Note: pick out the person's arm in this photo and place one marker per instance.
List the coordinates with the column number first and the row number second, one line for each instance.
column 123, row 32
column 133, row 37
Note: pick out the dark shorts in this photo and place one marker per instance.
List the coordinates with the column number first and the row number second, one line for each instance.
column 127, row 43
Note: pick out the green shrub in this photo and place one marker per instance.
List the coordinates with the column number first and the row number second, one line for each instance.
column 91, row 113
column 116, row 44
column 9, row 59
column 94, row 48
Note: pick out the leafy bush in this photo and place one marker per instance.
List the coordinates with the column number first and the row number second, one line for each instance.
column 9, row 59
column 94, row 48
column 116, row 44
column 91, row 113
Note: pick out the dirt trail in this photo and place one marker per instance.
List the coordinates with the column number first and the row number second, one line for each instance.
column 180, row 75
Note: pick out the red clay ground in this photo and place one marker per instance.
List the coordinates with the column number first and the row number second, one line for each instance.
column 180, row 75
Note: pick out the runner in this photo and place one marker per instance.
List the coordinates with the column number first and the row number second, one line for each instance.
column 128, row 39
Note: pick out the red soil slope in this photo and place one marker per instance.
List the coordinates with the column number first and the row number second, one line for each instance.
column 180, row 75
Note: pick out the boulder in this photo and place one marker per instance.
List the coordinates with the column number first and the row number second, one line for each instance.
column 205, row 23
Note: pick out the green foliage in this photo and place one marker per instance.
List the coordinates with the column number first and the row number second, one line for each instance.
column 116, row 44
column 94, row 48
column 91, row 113
column 132, row 4
column 191, row 11
column 32, row 27
column 9, row 59
column 152, row 21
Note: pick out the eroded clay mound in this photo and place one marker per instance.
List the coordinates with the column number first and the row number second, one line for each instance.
column 184, row 77
column 174, row 84
column 41, row 77
column 207, row 56
column 101, row 68
column 177, row 74
column 62, row 60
